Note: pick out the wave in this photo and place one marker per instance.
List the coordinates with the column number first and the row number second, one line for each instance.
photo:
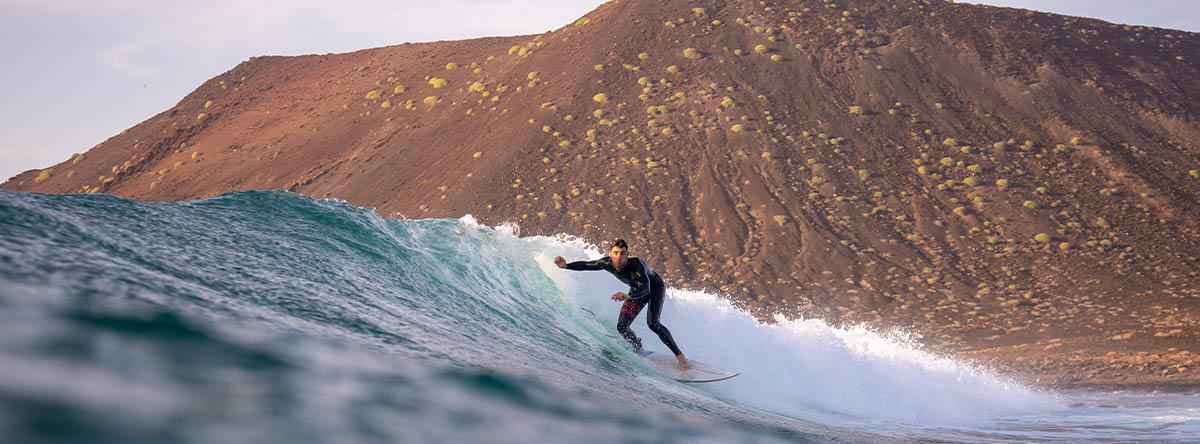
column 256, row 316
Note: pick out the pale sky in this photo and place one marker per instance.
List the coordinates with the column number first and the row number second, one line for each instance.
column 79, row 71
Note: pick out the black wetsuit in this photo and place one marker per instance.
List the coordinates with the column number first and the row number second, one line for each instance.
column 645, row 287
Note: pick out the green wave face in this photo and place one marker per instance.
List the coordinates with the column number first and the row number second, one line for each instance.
column 271, row 317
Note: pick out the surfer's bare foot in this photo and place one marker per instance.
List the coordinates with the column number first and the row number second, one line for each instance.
column 683, row 362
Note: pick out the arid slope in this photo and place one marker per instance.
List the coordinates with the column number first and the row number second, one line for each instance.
column 1019, row 187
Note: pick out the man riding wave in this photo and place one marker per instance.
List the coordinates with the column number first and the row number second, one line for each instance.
column 646, row 287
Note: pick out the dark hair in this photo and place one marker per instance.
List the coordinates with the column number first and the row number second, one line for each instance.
column 618, row 243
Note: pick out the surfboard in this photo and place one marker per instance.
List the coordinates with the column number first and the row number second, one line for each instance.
column 700, row 371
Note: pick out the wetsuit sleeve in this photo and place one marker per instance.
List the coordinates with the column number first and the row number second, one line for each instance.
column 597, row 264
column 642, row 291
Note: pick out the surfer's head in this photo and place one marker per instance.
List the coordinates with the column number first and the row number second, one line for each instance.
column 618, row 251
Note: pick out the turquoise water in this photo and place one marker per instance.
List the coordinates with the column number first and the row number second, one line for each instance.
column 272, row 317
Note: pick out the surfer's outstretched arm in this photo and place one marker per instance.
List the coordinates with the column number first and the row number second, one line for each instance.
column 598, row 264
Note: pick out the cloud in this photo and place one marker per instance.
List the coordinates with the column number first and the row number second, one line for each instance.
column 120, row 58
column 216, row 34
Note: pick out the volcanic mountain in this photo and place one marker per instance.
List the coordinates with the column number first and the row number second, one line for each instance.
column 1018, row 187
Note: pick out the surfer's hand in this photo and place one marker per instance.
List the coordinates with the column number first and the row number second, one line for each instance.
column 618, row 296
column 560, row 262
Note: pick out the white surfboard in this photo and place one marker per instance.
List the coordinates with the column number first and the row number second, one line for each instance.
column 700, row 371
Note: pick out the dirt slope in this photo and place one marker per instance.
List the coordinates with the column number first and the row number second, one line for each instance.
column 1019, row 187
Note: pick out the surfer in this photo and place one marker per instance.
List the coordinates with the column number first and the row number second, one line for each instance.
column 646, row 287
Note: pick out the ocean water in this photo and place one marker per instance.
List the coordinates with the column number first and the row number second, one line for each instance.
column 272, row 317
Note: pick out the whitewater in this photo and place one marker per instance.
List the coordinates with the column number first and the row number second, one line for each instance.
column 267, row 316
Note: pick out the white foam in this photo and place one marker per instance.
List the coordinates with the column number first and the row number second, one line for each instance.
column 797, row 367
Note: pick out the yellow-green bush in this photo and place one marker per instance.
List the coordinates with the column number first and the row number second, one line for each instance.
column 42, row 176
column 737, row 128
column 1002, row 183
column 438, row 82
column 1194, row 173
column 1042, row 237
column 200, row 117
column 1077, row 140
column 399, row 89
column 1030, row 204
column 692, row 53
column 762, row 49
column 374, row 94
column 776, row 58
column 451, row 66
column 600, row 98
column 856, row 110
column 208, row 104
column 674, row 69
column 431, row 100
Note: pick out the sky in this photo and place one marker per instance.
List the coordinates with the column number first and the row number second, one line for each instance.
column 79, row 71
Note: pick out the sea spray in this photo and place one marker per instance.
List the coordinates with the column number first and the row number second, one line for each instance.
column 798, row 367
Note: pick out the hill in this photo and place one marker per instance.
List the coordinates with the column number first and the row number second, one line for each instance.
column 1020, row 187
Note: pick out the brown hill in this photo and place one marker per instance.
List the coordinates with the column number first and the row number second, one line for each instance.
column 1020, row 187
